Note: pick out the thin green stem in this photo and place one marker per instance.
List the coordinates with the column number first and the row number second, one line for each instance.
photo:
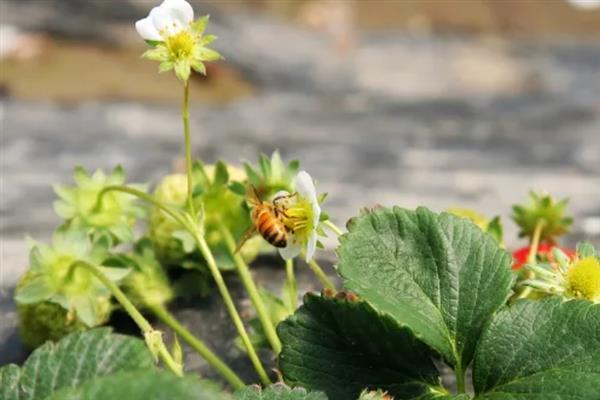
column 535, row 242
column 323, row 278
column 257, row 301
column 171, row 211
column 333, row 227
column 211, row 358
column 133, row 312
column 291, row 283
column 532, row 256
column 185, row 114
column 235, row 316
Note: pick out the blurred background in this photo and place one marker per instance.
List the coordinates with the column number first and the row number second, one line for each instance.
column 440, row 103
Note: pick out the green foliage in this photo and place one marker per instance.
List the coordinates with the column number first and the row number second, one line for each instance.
column 277, row 309
column 223, row 206
column 542, row 208
column 546, row 349
column 426, row 279
column 43, row 321
column 172, row 190
column 277, row 392
column 53, row 276
column 493, row 226
column 98, row 364
column 147, row 283
column 115, row 215
column 143, row 385
column 342, row 345
column 586, row 249
column 437, row 274
column 272, row 175
column 212, row 195
column 77, row 358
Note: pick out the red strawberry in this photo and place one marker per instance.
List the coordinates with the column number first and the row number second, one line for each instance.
column 544, row 253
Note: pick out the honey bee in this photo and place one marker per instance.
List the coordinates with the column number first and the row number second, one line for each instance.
column 268, row 219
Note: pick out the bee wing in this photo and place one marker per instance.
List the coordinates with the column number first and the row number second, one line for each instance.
column 247, row 235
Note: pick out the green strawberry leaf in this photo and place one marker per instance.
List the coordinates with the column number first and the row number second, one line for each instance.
column 9, row 381
column 437, row 274
column 341, row 347
column 142, row 385
column 277, row 392
column 545, row 349
column 76, row 358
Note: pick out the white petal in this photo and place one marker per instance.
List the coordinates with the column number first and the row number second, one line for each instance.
column 311, row 246
column 164, row 22
column 146, row 29
column 305, row 186
column 179, row 10
column 290, row 251
column 316, row 213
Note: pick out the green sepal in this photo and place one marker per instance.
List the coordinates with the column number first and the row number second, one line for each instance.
column 544, row 209
column 221, row 174
column 586, row 249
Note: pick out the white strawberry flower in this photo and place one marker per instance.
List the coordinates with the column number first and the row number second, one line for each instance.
column 303, row 214
column 178, row 42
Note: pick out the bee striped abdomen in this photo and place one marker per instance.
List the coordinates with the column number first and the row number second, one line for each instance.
column 271, row 228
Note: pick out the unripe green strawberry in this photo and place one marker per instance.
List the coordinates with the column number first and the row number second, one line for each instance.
column 220, row 205
column 43, row 321
column 171, row 190
column 147, row 283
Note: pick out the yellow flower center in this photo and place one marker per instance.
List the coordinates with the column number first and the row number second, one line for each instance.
column 180, row 45
column 583, row 279
column 299, row 218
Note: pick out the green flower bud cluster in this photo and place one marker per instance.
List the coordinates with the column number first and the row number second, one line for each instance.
column 273, row 175
column 56, row 296
column 115, row 214
column 216, row 192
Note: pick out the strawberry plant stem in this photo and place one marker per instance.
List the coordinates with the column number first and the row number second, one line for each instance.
column 198, row 345
column 291, row 283
column 535, row 242
column 257, row 301
column 532, row 256
column 323, row 278
column 185, row 114
column 172, row 212
column 235, row 316
column 133, row 312
column 333, row 228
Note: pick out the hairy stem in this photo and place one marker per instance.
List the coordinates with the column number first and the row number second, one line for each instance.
column 185, row 114
column 235, row 316
column 532, row 256
column 198, row 345
column 171, row 211
column 133, row 312
column 333, row 227
column 291, row 283
column 323, row 278
column 257, row 301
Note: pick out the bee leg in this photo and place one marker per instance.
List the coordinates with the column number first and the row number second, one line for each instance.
column 284, row 197
column 247, row 235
